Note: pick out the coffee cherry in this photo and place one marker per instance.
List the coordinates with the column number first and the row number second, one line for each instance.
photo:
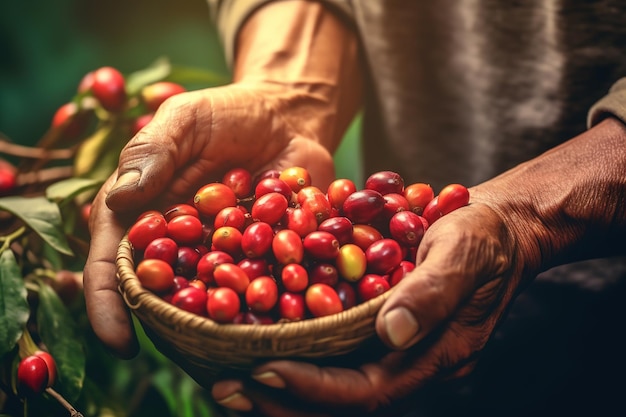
column 256, row 240
column 296, row 177
column 8, row 177
column 321, row 245
column 187, row 261
column 418, row 195
column 109, row 87
column 155, row 275
column 363, row 235
column 213, row 197
column 185, row 229
column 239, row 180
column 363, row 206
column 338, row 191
column 318, row 204
column 325, row 273
column 385, row 182
column 407, row 228
column 140, row 122
column 351, row 262
column 32, row 375
column 163, row 248
column 223, row 304
column 70, row 120
column 322, row 300
column 191, row 299
column 294, row 277
column 399, row 272
column 300, row 219
column 383, row 255
column 340, row 227
column 269, row 208
column 273, row 185
column 179, row 210
column 287, row 247
column 347, row 294
column 207, row 263
column 155, row 94
column 231, row 276
column 230, row 216
column 228, row 239
column 291, row 306
column 261, row 294
column 371, row 286
column 147, row 229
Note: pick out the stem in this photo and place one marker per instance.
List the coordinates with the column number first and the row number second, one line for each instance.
column 45, row 175
column 34, row 152
column 64, row 402
column 8, row 239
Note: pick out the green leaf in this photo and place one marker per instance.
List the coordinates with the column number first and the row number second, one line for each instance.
column 58, row 332
column 157, row 71
column 68, row 189
column 98, row 155
column 193, row 75
column 14, row 309
column 42, row 216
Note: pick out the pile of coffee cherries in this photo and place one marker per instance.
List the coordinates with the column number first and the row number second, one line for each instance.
column 274, row 248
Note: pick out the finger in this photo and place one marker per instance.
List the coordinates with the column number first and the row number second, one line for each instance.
column 148, row 162
column 108, row 315
column 328, row 386
column 428, row 296
column 453, row 262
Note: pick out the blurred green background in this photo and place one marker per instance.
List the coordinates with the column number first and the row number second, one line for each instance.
column 46, row 47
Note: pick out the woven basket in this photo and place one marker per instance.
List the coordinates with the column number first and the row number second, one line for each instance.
column 214, row 348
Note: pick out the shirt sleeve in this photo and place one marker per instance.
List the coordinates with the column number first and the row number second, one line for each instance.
column 229, row 16
column 614, row 103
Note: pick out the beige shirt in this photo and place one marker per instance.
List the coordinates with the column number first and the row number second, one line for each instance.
column 460, row 91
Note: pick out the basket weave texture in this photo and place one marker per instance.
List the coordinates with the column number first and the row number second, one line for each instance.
column 216, row 347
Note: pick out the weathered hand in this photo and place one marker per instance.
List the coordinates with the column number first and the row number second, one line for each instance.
column 194, row 138
column 468, row 269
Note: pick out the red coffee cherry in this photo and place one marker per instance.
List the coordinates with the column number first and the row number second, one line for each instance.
column 155, row 94
column 322, row 300
column 109, row 87
column 155, row 275
column 32, row 375
column 8, row 177
column 385, row 182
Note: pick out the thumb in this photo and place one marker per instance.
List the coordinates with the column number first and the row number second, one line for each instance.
column 426, row 297
column 146, row 165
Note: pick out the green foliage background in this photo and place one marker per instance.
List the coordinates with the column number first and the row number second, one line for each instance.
column 45, row 49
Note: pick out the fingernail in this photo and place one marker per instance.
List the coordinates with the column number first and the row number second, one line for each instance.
column 236, row 401
column 126, row 179
column 270, row 379
column 401, row 326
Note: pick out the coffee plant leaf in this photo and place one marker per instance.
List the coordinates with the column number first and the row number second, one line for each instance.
column 196, row 76
column 155, row 72
column 58, row 331
column 65, row 190
column 42, row 216
column 14, row 309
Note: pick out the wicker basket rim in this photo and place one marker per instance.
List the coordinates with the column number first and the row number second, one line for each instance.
column 139, row 299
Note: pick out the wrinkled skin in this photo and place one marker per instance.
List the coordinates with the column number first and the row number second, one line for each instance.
column 194, row 138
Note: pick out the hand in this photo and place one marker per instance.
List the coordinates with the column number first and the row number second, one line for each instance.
column 193, row 139
column 469, row 266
